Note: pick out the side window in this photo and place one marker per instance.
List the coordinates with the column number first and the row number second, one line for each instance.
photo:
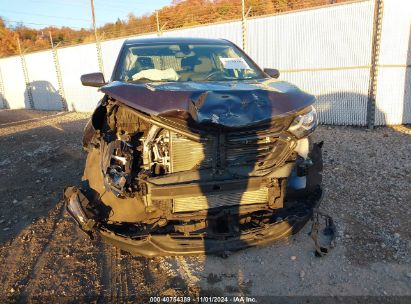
column 128, row 65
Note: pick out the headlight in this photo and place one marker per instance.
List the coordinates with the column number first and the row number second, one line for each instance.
column 304, row 124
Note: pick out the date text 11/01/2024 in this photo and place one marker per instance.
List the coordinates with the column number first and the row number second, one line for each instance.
column 204, row 299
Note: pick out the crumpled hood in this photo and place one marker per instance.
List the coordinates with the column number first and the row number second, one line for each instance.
column 228, row 103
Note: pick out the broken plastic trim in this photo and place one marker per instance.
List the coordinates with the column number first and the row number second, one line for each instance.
column 168, row 244
column 73, row 198
column 325, row 242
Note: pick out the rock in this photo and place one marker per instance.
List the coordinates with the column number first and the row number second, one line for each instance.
column 383, row 245
column 15, row 201
column 293, row 257
column 2, row 221
column 213, row 278
column 396, row 235
column 12, row 290
column 409, row 275
column 38, row 181
column 302, row 274
column 7, row 228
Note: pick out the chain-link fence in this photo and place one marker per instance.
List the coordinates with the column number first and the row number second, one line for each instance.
column 343, row 53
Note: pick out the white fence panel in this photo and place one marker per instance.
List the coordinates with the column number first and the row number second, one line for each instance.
column 341, row 94
column 15, row 92
column 43, row 81
column 393, row 104
column 336, row 39
column 74, row 62
column 333, row 36
column 229, row 30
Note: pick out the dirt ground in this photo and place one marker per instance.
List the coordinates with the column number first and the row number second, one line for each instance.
column 43, row 255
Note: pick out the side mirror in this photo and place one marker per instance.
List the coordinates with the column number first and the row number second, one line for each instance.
column 273, row 73
column 93, row 80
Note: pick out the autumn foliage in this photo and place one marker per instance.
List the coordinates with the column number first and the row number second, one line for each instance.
column 180, row 13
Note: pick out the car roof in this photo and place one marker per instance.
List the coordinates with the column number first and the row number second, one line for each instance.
column 175, row 40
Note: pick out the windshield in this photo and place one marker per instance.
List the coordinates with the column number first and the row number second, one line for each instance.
column 184, row 62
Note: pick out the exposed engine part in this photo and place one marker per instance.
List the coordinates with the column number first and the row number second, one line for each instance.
column 117, row 165
column 160, row 154
column 156, row 151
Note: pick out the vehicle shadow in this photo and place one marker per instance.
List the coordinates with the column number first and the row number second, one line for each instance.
column 45, row 97
column 216, row 277
column 228, row 173
column 351, row 106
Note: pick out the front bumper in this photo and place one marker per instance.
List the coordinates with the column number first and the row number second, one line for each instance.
column 287, row 222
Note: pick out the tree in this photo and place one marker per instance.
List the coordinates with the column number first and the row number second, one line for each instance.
column 8, row 40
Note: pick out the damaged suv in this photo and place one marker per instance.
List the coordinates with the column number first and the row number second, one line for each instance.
column 195, row 149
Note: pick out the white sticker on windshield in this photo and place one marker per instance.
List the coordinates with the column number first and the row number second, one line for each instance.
column 234, row 64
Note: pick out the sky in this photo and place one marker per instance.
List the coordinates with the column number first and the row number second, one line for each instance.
column 73, row 13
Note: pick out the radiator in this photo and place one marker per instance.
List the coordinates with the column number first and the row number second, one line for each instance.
column 214, row 201
column 188, row 155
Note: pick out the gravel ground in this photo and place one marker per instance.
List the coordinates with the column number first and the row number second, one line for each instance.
column 367, row 182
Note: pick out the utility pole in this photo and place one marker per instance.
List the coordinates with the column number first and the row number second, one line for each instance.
column 98, row 46
column 158, row 24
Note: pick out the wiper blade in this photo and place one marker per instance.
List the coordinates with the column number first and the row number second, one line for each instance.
column 146, row 80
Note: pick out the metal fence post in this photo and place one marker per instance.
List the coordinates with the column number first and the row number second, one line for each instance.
column 58, row 74
column 243, row 25
column 100, row 56
column 244, row 16
column 98, row 45
column 26, row 75
column 375, row 54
